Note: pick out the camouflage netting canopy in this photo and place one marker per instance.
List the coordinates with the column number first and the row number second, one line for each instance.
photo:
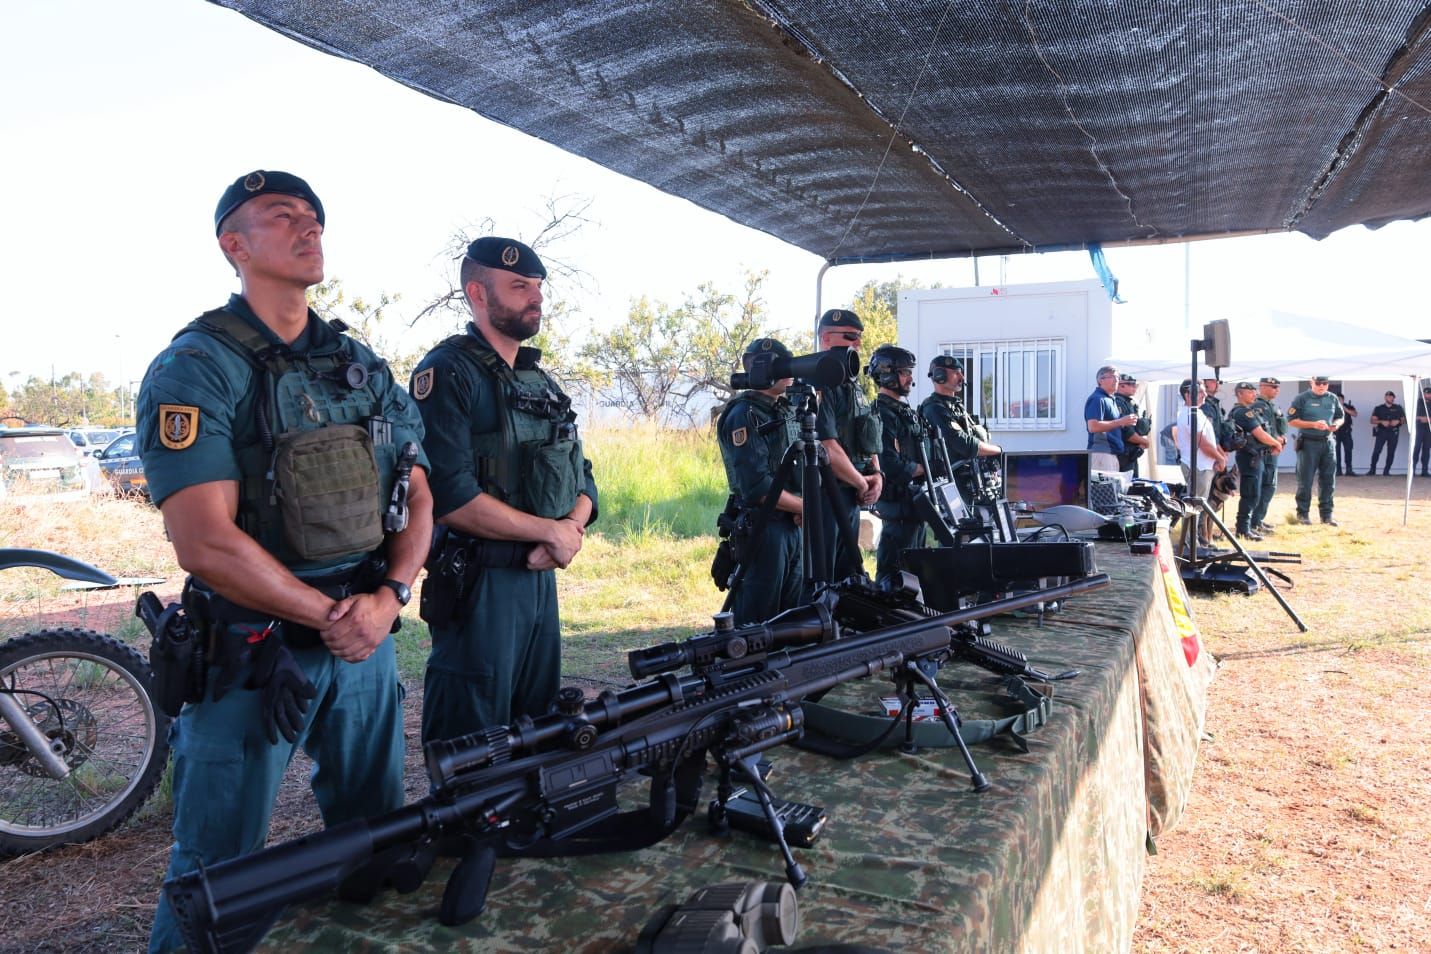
column 897, row 129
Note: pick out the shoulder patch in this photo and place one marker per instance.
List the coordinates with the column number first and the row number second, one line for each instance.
column 422, row 384
column 739, row 436
column 178, row 425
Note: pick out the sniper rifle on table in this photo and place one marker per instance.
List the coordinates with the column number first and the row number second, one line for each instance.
column 547, row 786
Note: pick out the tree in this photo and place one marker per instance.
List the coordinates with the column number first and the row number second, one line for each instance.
column 564, row 215
column 72, row 400
column 721, row 327
column 640, row 365
column 877, row 303
column 368, row 322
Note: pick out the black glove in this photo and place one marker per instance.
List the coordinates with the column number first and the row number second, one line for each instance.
column 286, row 690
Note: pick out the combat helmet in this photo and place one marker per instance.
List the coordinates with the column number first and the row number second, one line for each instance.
column 886, row 363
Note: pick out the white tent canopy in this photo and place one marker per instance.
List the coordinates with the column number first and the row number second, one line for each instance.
column 1294, row 348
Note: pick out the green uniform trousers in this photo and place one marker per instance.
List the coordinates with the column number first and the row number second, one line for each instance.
column 1269, row 489
column 499, row 660
column 1316, row 458
column 843, row 562
column 896, row 535
column 226, row 774
column 775, row 578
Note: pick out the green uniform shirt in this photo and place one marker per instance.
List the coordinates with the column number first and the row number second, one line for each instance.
column 457, row 398
column 1247, row 418
column 846, row 416
column 754, row 432
column 1310, row 406
column 216, row 387
column 1276, row 421
column 961, row 432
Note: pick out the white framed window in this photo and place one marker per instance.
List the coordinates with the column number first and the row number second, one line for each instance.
column 1014, row 384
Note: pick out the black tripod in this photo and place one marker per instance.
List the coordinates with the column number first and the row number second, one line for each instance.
column 819, row 492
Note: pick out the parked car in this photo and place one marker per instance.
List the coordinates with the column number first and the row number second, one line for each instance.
column 92, row 440
column 41, row 461
column 121, row 463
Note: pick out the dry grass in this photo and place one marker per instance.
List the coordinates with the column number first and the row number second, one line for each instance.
column 1306, row 826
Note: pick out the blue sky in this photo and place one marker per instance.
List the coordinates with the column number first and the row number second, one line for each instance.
column 123, row 122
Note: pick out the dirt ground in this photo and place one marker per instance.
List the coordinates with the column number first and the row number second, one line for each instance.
column 1304, row 830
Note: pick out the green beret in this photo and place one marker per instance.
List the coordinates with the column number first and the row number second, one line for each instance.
column 1245, row 386
column 945, row 361
column 1270, row 380
column 841, row 318
column 507, row 254
column 264, row 182
column 762, row 345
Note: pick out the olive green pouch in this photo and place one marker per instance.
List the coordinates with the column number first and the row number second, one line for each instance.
column 326, row 482
column 868, row 434
column 551, row 471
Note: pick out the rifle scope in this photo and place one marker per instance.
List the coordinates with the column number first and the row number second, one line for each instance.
column 824, row 369
column 797, row 626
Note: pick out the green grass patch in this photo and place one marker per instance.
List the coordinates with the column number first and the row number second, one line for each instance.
column 654, row 481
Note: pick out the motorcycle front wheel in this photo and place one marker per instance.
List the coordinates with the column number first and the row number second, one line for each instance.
column 88, row 695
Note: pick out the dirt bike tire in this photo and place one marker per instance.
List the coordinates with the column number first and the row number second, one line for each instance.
column 91, row 693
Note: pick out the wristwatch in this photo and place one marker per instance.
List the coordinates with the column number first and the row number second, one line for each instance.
column 400, row 590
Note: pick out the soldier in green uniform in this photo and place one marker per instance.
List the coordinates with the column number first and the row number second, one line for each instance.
column 1135, row 435
column 1245, row 418
column 901, row 461
column 294, row 606
column 513, row 493
column 963, row 435
column 849, row 430
column 1276, row 423
column 754, row 431
column 1316, row 413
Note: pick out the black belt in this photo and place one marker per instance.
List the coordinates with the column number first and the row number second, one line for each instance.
column 210, row 607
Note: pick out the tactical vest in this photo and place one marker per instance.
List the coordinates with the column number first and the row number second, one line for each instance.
column 858, row 425
column 762, row 411
column 316, row 460
column 534, row 462
column 1272, row 414
column 908, row 435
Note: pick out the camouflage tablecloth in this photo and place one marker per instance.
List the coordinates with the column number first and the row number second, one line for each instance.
column 1050, row 858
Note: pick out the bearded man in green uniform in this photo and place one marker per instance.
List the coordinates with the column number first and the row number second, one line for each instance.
column 1276, row 423
column 514, row 496
column 271, row 443
column 1247, row 420
column 1316, row 413
column 964, row 437
column 849, row 430
column 753, row 432
column 901, row 458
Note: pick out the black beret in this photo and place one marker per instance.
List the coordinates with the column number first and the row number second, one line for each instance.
column 1127, row 379
column 1270, row 380
column 264, row 182
column 1245, row 386
column 945, row 361
column 762, row 345
column 508, row 255
column 841, row 318
column 1321, row 379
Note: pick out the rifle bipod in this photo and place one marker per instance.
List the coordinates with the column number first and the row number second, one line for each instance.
column 717, row 816
column 907, row 677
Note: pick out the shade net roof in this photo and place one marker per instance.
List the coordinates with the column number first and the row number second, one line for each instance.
column 866, row 131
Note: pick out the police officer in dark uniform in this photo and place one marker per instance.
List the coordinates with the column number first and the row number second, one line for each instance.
column 1248, row 422
column 963, row 435
column 849, row 430
column 1135, row 436
column 1345, row 439
column 903, row 436
column 753, row 432
column 513, row 493
column 1387, row 419
column 1212, row 408
column 294, row 606
column 1276, row 423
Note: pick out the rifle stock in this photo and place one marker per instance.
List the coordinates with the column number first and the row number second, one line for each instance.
column 541, row 781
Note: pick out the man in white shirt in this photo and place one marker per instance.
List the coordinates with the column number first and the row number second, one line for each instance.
column 1211, row 458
